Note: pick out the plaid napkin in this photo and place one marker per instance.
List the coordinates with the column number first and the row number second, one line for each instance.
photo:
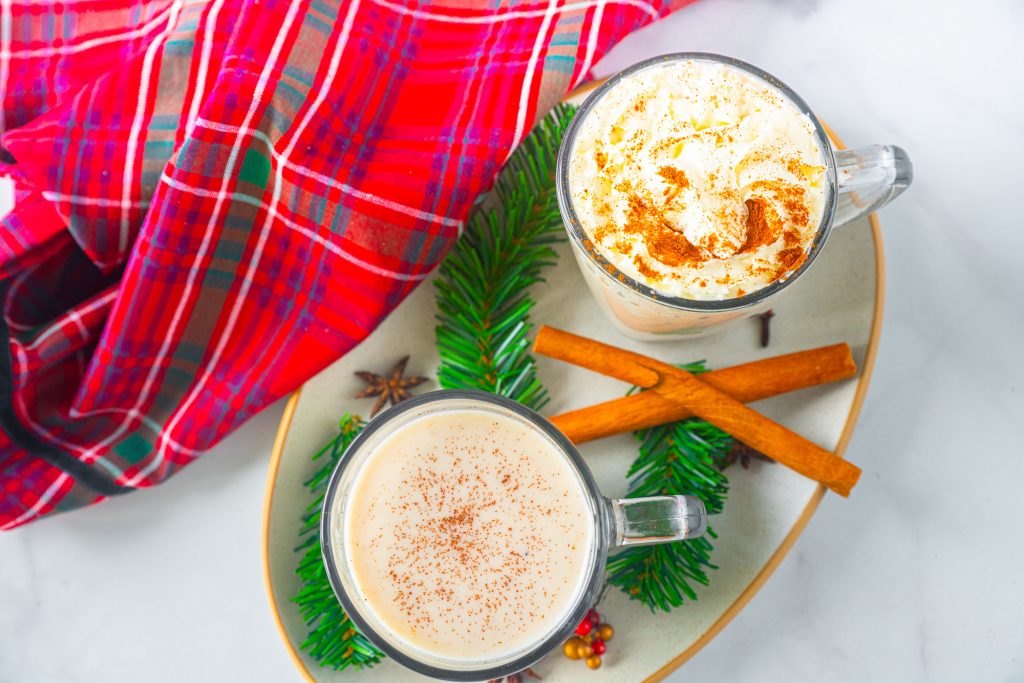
column 217, row 198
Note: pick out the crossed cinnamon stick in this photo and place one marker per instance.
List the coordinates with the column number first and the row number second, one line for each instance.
column 718, row 397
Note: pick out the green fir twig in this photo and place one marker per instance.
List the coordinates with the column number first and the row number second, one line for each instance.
column 681, row 458
column 483, row 298
column 333, row 639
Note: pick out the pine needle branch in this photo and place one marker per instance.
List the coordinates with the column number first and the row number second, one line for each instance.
column 483, row 302
column 333, row 639
column 681, row 458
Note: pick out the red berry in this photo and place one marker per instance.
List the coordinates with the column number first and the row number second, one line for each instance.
column 594, row 617
column 584, row 628
column 598, row 646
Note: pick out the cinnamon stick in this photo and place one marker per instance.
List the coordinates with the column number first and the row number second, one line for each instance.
column 747, row 383
column 715, row 397
column 594, row 355
column 757, row 431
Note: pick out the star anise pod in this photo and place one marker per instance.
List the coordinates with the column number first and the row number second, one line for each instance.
column 743, row 454
column 517, row 677
column 391, row 388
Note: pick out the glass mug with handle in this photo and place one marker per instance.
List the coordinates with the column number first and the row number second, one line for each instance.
column 420, row 574
column 856, row 183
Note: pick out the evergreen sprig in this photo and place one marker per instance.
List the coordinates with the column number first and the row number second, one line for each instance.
column 680, row 458
column 333, row 639
column 483, row 298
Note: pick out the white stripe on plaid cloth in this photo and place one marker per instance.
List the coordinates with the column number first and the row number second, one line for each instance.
column 595, row 30
column 326, row 243
column 72, row 48
column 5, row 56
column 43, row 500
column 506, row 16
column 93, row 201
column 531, row 68
column 74, row 316
column 128, row 182
column 45, row 432
column 198, row 96
column 328, row 181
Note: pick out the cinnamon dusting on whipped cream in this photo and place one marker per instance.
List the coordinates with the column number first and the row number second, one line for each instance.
column 699, row 180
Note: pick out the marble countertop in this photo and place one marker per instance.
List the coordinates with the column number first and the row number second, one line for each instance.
column 919, row 576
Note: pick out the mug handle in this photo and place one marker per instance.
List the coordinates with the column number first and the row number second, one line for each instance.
column 868, row 178
column 658, row 519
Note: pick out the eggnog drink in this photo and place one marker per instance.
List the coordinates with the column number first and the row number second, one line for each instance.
column 468, row 535
column 699, row 180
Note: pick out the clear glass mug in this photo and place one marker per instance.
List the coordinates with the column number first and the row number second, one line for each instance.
column 616, row 523
column 859, row 181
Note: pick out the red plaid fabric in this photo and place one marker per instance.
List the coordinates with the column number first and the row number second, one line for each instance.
column 217, row 198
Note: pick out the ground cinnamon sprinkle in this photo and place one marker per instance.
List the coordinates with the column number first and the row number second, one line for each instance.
column 795, row 207
column 787, row 261
column 776, row 216
column 672, row 248
column 668, row 144
column 663, row 243
column 450, row 522
column 646, row 270
column 790, row 259
column 763, row 224
column 674, row 175
column 791, row 197
column 622, row 247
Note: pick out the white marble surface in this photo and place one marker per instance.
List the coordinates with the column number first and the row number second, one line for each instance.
column 917, row 577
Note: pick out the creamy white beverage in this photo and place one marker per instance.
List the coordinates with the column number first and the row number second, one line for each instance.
column 469, row 535
column 698, row 180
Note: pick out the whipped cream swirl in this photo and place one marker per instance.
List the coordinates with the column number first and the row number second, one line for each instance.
column 699, row 180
